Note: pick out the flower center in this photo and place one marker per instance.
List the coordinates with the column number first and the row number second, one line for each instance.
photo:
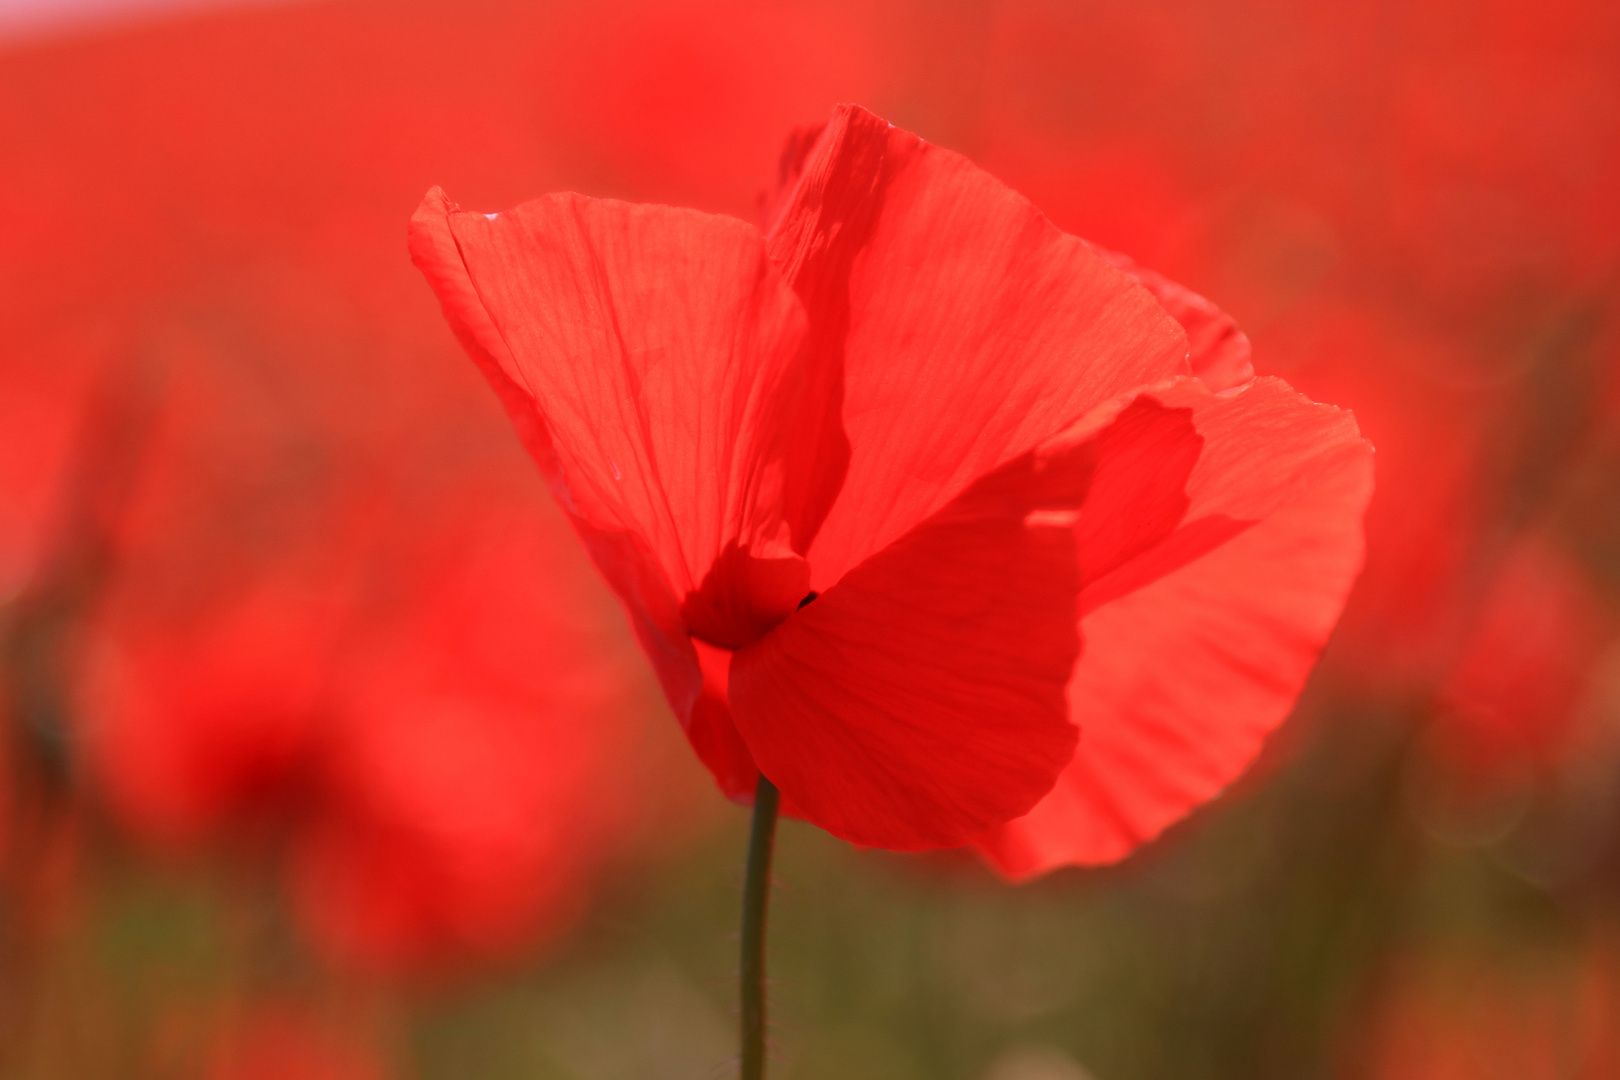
column 744, row 597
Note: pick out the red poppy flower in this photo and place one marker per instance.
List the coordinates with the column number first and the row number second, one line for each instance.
column 476, row 731
column 211, row 723
column 1470, row 1013
column 1512, row 697
column 862, row 479
column 408, row 699
column 269, row 651
column 428, row 750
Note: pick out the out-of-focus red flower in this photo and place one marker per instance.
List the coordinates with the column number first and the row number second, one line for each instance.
column 855, row 477
column 282, row 1042
column 482, row 766
column 405, row 691
column 434, row 742
column 1475, row 1018
column 319, row 492
column 1512, row 695
column 207, row 722
column 235, row 564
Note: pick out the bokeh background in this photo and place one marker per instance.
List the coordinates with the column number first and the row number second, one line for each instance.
column 327, row 757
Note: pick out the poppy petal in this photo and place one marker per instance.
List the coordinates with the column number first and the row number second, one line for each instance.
column 656, row 345
column 653, row 360
column 922, row 697
column 966, row 326
column 622, row 558
column 1187, row 670
column 713, row 734
column 1133, row 528
column 1217, row 349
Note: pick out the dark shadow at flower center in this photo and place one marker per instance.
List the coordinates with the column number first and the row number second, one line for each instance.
column 743, row 597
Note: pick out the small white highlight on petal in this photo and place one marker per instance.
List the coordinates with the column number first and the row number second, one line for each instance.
column 614, row 465
column 491, row 217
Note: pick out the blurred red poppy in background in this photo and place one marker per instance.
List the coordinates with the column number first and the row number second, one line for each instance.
column 427, row 733
column 327, row 629
column 1474, row 1015
column 1511, row 700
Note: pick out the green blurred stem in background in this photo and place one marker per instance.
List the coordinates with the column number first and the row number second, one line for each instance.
column 756, row 894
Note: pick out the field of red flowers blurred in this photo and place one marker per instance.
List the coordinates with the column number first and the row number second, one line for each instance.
column 293, row 637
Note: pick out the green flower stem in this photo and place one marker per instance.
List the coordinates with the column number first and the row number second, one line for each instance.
column 756, row 894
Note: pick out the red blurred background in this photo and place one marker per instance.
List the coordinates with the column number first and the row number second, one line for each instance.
column 294, row 636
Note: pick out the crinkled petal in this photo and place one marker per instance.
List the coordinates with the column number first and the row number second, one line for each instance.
column 656, row 345
column 654, row 363
column 1217, row 349
column 623, row 558
column 922, row 697
column 966, row 327
column 1188, row 670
